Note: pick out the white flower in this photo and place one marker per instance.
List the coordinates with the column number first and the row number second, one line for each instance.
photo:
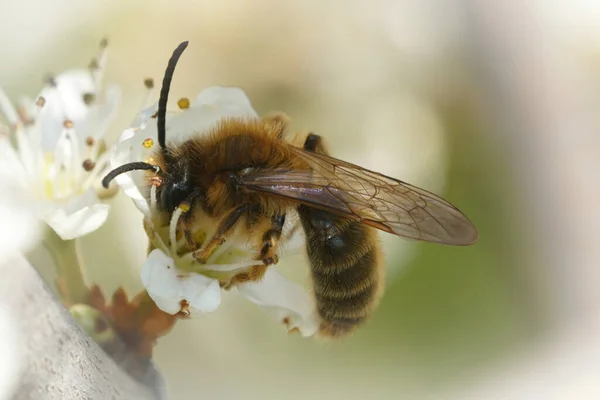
column 52, row 148
column 169, row 287
column 19, row 229
column 175, row 281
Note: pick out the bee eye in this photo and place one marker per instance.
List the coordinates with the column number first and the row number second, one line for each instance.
column 174, row 193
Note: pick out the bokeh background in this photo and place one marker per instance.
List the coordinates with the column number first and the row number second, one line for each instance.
column 493, row 106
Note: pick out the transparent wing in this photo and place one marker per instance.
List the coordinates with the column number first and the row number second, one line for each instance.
column 374, row 199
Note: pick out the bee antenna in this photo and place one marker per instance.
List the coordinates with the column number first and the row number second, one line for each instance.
column 164, row 94
column 132, row 166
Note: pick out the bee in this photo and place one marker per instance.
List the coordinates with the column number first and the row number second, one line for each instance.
column 245, row 172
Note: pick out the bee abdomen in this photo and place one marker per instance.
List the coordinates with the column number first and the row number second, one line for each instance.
column 345, row 267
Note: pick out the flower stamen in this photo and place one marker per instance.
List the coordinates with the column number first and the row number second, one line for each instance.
column 153, row 197
column 98, row 169
column 88, row 165
column 7, row 108
column 97, row 65
column 149, row 85
column 181, row 209
column 40, row 102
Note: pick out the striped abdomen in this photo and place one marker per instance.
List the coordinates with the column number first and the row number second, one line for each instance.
column 346, row 269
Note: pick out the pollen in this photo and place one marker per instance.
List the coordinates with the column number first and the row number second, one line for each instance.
column 88, row 165
column 40, row 102
column 185, row 207
column 67, row 123
column 89, row 141
column 184, row 103
column 147, row 143
column 149, row 83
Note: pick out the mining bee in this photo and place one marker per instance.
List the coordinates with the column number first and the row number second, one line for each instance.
column 246, row 172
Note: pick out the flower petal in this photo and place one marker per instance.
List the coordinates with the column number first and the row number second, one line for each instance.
column 132, row 183
column 80, row 216
column 19, row 229
column 230, row 101
column 203, row 294
column 10, row 165
column 168, row 287
column 286, row 301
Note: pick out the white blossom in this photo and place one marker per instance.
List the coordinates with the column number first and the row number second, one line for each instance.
column 52, row 148
column 177, row 282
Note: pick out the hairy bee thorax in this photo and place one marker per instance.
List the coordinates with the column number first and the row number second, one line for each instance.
column 205, row 169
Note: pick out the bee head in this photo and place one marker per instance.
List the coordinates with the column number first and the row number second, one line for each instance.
column 175, row 187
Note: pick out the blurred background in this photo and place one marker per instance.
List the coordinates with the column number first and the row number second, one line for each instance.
column 493, row 106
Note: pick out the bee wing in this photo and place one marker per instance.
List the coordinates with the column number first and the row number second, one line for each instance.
column 374, row 199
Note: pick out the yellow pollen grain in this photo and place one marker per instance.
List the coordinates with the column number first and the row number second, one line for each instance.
column 185, row 207
column 68, row 123
column 184, row 103
column 147, row 143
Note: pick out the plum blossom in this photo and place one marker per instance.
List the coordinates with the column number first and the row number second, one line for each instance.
column 52, row 148
column 172, row 277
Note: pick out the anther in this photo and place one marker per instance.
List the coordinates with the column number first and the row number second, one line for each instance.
column 185, row 206
column 185, row 307
column 93, row 65
column 40, row 102
column 149, row 83
column 183, row 103
column 103, row 43
column 51, row 81
column 89, row 141
column 88, row 98
column 67, row 123
column 88, row 165
column 147, row 143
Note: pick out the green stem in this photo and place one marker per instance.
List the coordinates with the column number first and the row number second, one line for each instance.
column 69, row 267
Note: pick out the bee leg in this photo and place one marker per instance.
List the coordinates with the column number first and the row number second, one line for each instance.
column 268, row 253
column 223, row 230
column 254, row 274
column 280, row 122
column 314, row 143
